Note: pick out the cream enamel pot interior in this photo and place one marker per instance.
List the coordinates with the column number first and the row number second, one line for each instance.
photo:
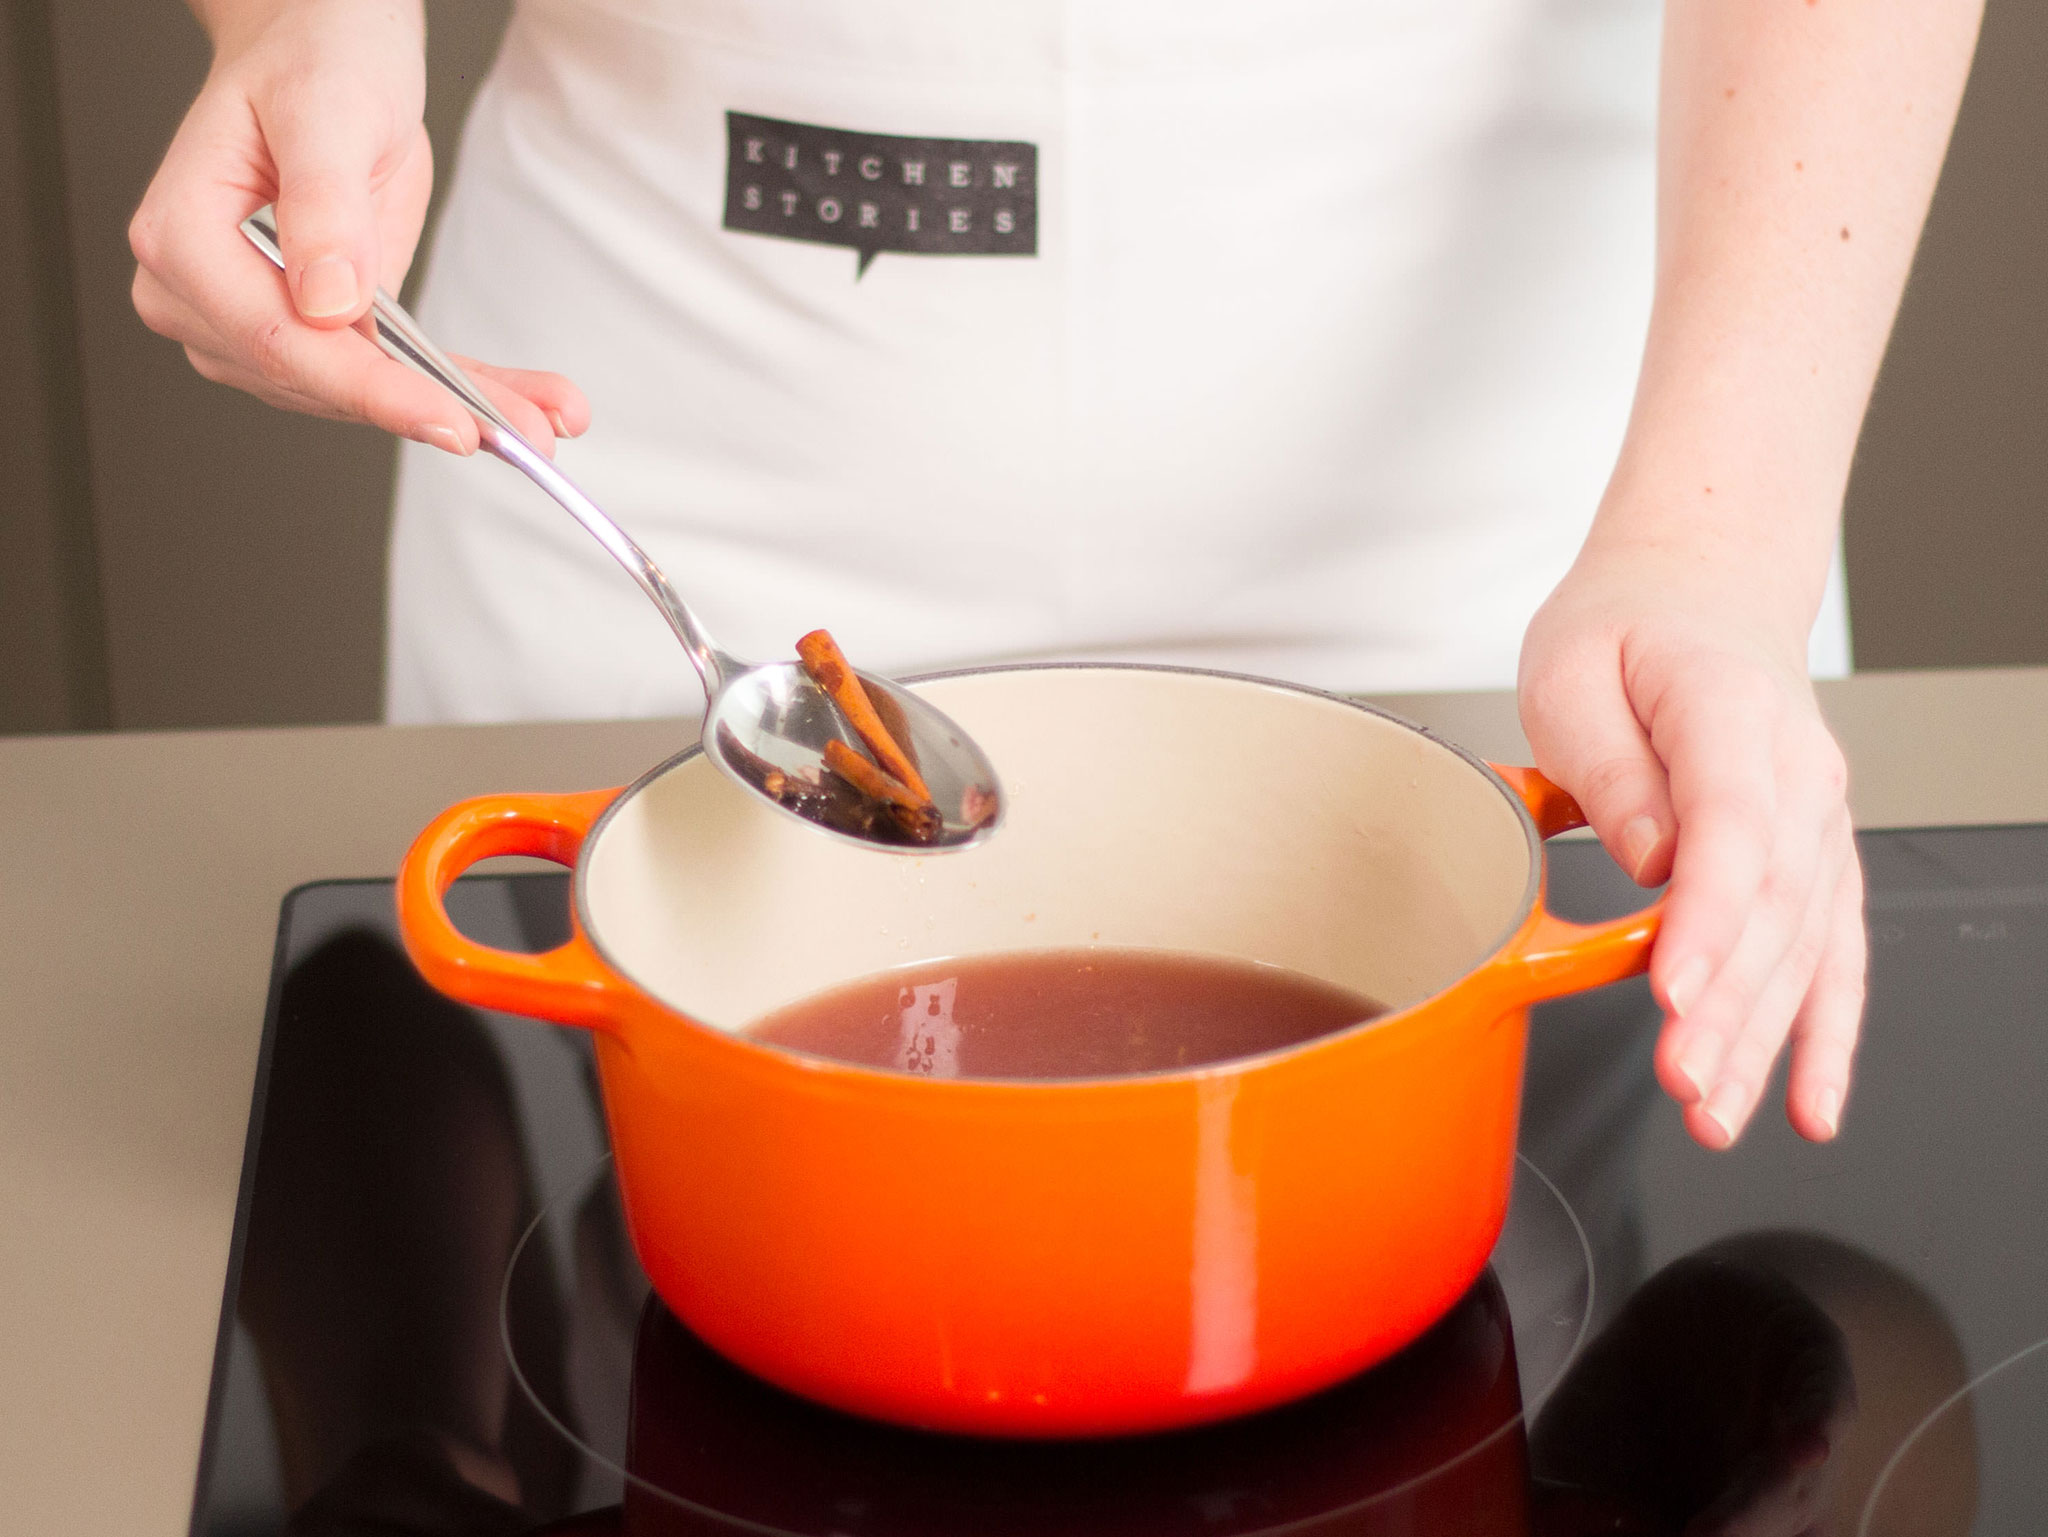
column 1074, row 1256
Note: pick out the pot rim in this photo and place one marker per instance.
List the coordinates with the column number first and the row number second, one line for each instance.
column 737, row 1036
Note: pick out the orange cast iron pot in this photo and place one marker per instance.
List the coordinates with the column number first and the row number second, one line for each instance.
column 1081, row 1256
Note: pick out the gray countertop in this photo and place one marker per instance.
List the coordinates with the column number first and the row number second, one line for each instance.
column 139, row 893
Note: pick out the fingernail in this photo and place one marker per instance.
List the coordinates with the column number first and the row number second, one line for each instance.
column 1827, row 1109
column 1684, row 989
column 327, row 287
column 561, row 427
column 1724, row 1108
column 1698, row 1062
column 1638, row 842
column 434, row 435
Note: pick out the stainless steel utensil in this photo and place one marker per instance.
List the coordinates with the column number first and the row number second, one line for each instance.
column 760, row 721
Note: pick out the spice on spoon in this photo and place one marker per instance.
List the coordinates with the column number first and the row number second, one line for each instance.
column 918, row 820
column 977, row 805
column 896, row 782
column 826, row 799
column 829, row 669
column 884, row 799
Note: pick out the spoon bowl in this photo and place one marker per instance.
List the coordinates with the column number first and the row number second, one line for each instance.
column 772, row 718
column 765, row 725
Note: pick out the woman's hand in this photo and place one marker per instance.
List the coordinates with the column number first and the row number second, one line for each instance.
column 314, row 105
column 1670, row 697
column 1664, row 682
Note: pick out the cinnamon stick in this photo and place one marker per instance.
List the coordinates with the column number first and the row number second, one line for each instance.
column 829, row 669
column 866, row 778
column 827, row 799
column 893, row 720
column 919, row 819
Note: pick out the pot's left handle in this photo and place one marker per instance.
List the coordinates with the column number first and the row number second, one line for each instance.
column 1551, row 957
column 570, row 984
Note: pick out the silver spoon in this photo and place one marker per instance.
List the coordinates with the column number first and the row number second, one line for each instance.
column 766, row 726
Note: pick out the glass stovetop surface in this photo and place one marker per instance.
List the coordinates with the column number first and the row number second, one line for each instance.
column 706, row 1448
column 434, row 1324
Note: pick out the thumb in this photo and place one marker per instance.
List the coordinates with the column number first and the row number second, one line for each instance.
column 326, row 221
column 1587, row 739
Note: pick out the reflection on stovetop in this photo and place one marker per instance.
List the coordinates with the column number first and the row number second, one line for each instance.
column 1434, row 1440
column 1434, row 1435
column 1782, row 1339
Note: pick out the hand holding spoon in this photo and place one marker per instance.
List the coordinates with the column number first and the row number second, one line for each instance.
column 767, row 726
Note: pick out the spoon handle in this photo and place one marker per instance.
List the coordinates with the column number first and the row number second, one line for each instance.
column 401, row 337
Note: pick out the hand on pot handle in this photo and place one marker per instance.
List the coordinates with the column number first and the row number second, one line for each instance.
column 1695, row 744
column 1553, row 956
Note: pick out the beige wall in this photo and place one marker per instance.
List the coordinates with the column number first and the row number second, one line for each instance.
column 52, row 659
column 172, row 554
column 233, row 554
column 1948, row 510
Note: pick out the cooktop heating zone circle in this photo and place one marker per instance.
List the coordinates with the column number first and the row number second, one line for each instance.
column 1433, row 1439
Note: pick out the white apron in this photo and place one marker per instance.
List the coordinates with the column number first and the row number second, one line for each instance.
column 1316, row 367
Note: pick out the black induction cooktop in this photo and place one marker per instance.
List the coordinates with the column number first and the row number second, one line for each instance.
column 434, row 1325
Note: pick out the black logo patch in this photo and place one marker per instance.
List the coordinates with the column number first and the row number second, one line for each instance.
column 879, row 192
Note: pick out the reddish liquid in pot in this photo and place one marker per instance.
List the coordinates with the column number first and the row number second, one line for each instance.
column 1064, row 1014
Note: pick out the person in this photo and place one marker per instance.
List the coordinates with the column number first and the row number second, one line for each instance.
column 1316, row 363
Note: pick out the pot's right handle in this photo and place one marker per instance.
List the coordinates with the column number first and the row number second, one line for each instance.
column 570, row 984
column 1551, row 957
